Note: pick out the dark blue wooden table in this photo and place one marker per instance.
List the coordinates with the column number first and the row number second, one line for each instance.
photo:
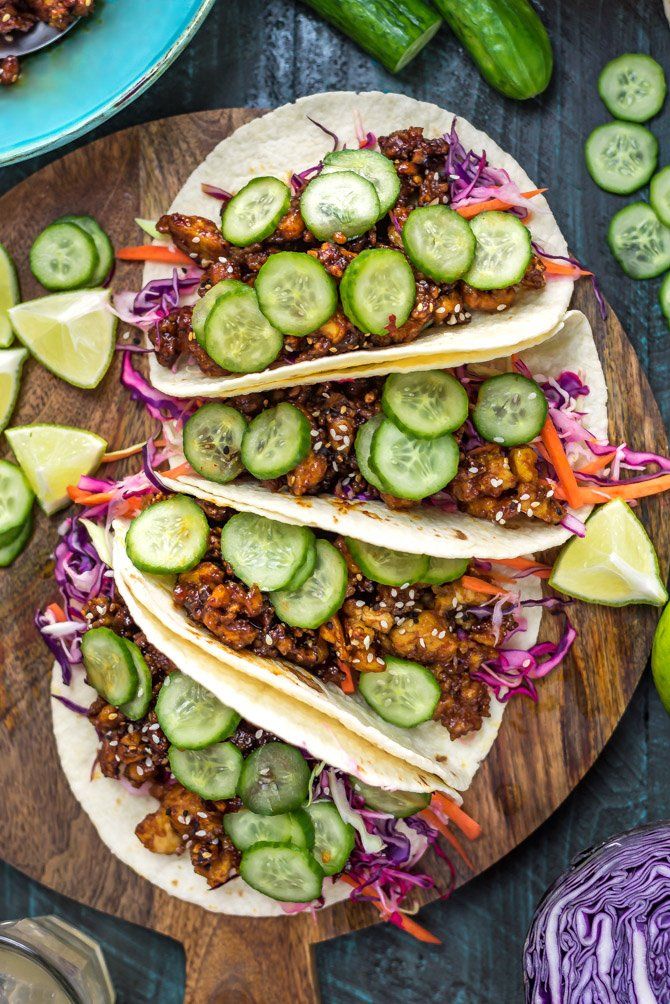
column 253, row 53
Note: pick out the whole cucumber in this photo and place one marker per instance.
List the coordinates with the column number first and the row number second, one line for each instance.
column 393, row 31
column 507, row 41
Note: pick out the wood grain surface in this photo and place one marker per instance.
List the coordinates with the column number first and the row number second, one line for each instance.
column 46, row 835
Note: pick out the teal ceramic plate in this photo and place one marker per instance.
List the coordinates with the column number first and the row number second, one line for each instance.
column 99, row 68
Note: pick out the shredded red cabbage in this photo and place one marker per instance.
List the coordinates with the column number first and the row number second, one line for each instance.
column 601, row 933
column 157, row 299
column 473, row 180
column 512, row 672
column 216, row 193
column 159, row 406
column 299, row 179
column 328, row 132
column 600, row 299
column 70, row 705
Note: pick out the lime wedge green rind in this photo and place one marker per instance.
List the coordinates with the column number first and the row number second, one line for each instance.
column 660, row 658
column 10, row 294
column 53, row 457
column 11, row 364
column 615, row 564
column 71, row 334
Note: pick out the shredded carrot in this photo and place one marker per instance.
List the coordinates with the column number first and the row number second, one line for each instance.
column 154, row 252
column 347, row 683
column 467, row 212
column 57, row 611
column 88, row 498
column 597, row 464
column 564, row 471
column 129, row 507
column 603, row 493
column 443, row 828
column 563, row 268
column 481, row 586
column 177, row 472
column 129, row 451
column 442, row 803
column 406, row 923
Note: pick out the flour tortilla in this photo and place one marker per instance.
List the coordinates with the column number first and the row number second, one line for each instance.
column 284, row 141
column 427, row 529
column 424, row 752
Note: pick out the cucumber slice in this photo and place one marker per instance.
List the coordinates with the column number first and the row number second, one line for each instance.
column 639, row 241
column 137, row 707
column 276, row 441
column 664, row 297
column 168, row 537
column 510, row 410
column 264, row 552
column 378, row 289
column 632, row 87
column 149, row 228
column 103, row 246
column 439, row 242
column 10, row 294
column 320, row 596
column 274, row 779
column 335, row 839
column 191, row 716
column 621, row 157
column 441, row 570
column 10, row 551
column 400, row 804
column 404, row 694
column 425, row 404
column 371, row 165
column 213, row 772
column 659, row 195
column 342, row 204
column 213, row 440
column 253, row 214
column 205, row 304
column 11, row 365
column 502, row 251
column 64, row 257
column 362, row 445
column 295, row 292
column 109, row 665
column 391, row 568
column 16, row 501
column 306, row 569
column 412, row 468
column 246, row 828
column 284, row 873
column 237, row 335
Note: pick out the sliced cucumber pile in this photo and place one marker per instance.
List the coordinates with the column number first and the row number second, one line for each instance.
column 253, row 214
column 71, row 253
column 103, row 245
column 621, row 156
column 412, row 468
column 238, row 337
column 378, row 290
column 502, row 251
column 439, row 242
column 339, row 205
column 213, row 441
column 321, row 594
column 632, row 87
column 295, row 292
column 639, row 241
column 510, row 410
column 425, row 404
column 404, row 693
column 371, row 165
column 169, row 537
column 264, row 552
column 205, row 305
column 190, row 716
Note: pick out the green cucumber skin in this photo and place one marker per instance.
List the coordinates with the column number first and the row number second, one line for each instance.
column 507, row 41
column 392, row 31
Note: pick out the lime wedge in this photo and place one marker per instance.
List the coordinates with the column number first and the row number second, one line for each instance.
column 53, row 457
column 11, row 364
column 10, row 294
column 660, row 658
column 72, row 334
column 614, row 564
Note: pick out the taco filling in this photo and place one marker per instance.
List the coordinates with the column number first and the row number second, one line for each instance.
column 364, row 250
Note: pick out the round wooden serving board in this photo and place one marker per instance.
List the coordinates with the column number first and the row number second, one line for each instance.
column 542, row 751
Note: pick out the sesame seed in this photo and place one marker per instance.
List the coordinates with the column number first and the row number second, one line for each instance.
column 201, row 833
column 501, row 306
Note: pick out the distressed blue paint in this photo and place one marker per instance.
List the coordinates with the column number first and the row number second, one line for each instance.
column 281, row 52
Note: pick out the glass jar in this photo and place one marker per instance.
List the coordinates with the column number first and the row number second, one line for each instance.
column 44, row 960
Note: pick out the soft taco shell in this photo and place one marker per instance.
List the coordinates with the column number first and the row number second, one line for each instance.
column 284, row 141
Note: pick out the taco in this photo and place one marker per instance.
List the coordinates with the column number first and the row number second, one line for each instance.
column 454, row 462
column 242, row 807
column 417, row 240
